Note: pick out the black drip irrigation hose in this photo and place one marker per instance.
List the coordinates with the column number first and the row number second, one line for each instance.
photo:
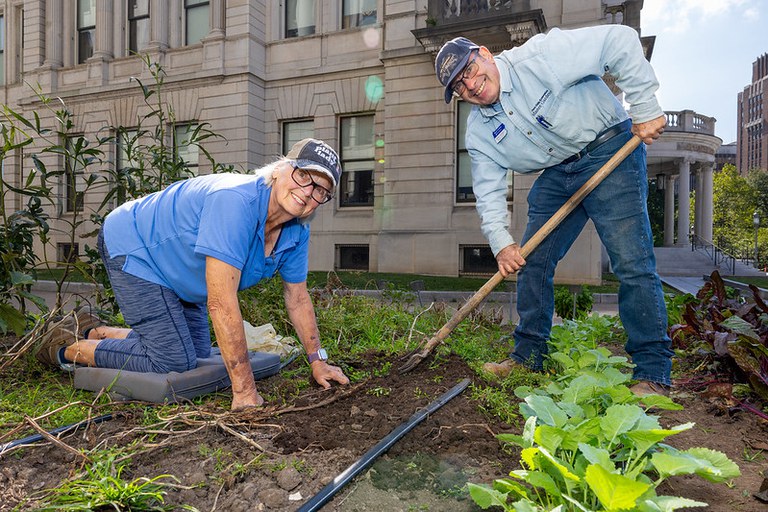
column 327, row 492
column 61, row 430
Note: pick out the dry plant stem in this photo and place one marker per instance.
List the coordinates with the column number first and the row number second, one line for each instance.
column 22, row 346
column 482, row 425
column 27, row 341
column 216, row 500
column 413, row 324
column 250, row 442
column 343, row 394
column 55, row 440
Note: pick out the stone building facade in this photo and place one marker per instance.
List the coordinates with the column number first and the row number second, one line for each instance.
column 358, row 74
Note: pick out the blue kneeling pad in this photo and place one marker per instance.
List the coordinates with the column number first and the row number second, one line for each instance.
column 209, row 376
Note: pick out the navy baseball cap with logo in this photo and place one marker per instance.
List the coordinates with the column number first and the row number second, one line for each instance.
column 451, row 60
column 316, row 155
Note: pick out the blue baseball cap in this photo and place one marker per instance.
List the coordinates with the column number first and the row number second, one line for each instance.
column 451, row 60
column 316, row 155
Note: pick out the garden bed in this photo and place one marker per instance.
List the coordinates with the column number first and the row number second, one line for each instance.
column 290, row 450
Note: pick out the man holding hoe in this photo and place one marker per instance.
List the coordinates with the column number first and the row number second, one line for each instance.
column 543, row 107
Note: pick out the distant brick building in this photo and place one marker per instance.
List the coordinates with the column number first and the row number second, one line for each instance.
column 752, row 137
column 726, row 154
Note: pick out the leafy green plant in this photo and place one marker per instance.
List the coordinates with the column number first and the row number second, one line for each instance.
column 587, row 444
column 586, row 332
column 570, row 305
column 676, row 306
column 19, row 228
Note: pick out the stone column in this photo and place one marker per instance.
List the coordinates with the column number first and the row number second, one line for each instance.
column 54, row 38
column 104, row 29
column 706, row 201
column 159, row 23
column 218, row 14
column 697, row 204
column 683, row 202
column 98, row 63
column 669, row 211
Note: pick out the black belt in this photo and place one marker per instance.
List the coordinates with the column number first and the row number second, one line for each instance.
column 601, row 139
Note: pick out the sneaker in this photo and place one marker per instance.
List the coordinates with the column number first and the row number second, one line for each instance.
column 57, row 335
column 85, row 319
column 646, row 387
column 502, row 369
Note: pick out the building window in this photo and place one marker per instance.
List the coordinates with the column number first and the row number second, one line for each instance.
column 358, row 13
column 183, row 149
column 357, row 158
column 73, row 174
column 352, row 257
column 86, row 29
column 464, row 192
column 67, row 253
column 294, row 131
column 196, row 20
column 2, row 50
column 299, row 18
column 477, row 259
column 138, row 25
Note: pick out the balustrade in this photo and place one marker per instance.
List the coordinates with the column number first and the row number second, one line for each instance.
column 689, row 121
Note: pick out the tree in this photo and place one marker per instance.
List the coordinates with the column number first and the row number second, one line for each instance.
column 734, row 201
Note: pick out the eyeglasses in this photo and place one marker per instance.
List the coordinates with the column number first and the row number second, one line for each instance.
column 469, row 73
column 303, row 178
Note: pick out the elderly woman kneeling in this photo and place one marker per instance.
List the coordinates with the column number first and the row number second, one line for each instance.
column 177, row 255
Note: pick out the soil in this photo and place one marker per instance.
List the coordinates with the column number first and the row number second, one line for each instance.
column 279, row 457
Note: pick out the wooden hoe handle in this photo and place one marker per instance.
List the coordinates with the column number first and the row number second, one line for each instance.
column 534, row 241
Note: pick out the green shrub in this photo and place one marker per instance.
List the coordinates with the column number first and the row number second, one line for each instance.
column 572, row 305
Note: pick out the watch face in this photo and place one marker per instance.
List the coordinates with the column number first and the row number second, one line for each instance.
column 320, row 355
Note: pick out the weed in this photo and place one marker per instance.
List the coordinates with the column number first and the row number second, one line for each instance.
column 379, row 391
column 752, row 456
column 104, row 486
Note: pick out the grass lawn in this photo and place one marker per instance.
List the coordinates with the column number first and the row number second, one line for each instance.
column 371, row 281
column 760, row 282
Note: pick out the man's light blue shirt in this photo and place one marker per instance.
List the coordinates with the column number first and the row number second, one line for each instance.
column 553, row 103
column 167, row 235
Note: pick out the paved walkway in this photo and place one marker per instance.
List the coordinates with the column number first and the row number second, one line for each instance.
column 686, row 270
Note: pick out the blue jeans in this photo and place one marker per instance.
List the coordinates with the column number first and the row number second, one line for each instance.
column 619, row 211
column 167, row 334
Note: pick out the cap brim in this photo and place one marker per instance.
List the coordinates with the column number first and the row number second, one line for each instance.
column 459, row 68
column 314, row 166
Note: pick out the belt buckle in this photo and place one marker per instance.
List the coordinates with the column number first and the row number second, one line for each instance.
column 573, row 158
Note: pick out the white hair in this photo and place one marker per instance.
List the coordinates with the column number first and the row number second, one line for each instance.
column 267, row 173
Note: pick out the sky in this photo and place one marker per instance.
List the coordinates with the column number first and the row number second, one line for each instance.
column 704, row 52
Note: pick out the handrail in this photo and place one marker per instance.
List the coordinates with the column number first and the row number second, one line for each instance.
column 715, row 253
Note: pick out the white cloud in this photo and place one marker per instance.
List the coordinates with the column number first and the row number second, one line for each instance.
column 679, row 16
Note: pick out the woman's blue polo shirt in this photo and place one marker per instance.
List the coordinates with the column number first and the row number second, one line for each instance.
column 167, row 235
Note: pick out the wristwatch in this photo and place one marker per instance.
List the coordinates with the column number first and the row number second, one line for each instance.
column 320, row 355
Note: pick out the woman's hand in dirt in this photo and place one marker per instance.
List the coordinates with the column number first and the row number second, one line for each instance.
column 323, row 373
column 242, row 401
